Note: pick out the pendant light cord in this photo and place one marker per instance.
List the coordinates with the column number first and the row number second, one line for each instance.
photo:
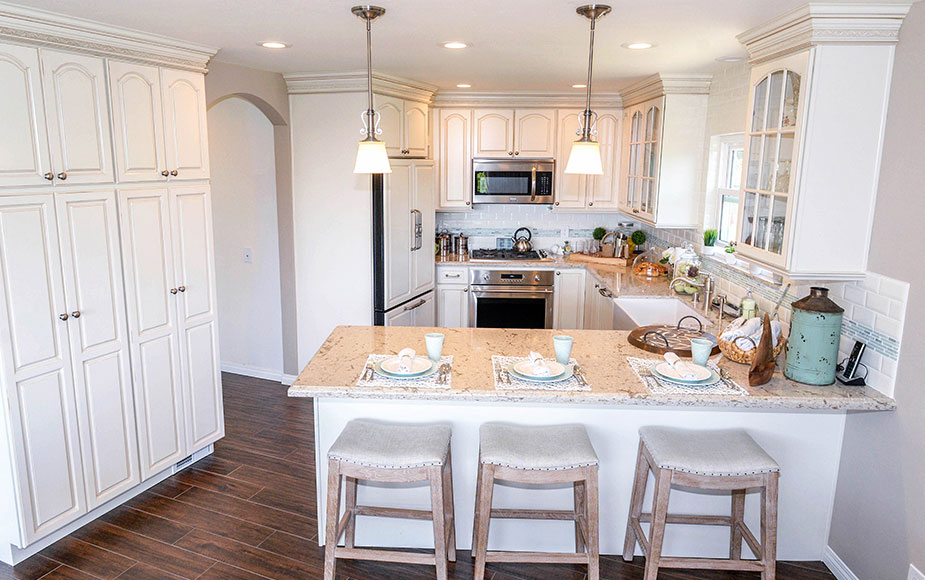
column 370, row 113
column 586, row 126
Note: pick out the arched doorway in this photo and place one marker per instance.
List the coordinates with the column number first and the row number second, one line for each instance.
column 246, row 231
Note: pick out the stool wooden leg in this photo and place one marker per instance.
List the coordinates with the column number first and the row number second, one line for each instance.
column 435, row 475
column 449, row 510
column 659, row 516
column 738, row 518
column 580, row 510
column 483, row 515
column 769, row 526
column 475, row 516
column 592, row 509
column 332, row 515
column 639, row 494
column 350, row 504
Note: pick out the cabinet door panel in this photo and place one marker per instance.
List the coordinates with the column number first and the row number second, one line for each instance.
column 78, row 117
column 494, row 133
column 415, row 128
column 195, row 275
column 455, row 157
column 391, row 116
column 35, row 363
column 185, row 130
column 138, row 124
column 571, row 188
column 398, row 221
column 535, row 133
column 88, row 225
column 23, row 139
column 152, row 321
column 452, row 306
column 399, row 317
column 423, row 270
column 569, row 299
column 603, row 189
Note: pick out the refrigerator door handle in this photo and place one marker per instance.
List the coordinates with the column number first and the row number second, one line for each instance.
column 418, row 230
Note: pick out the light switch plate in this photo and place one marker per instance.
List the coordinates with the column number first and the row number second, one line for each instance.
column 248, row 256
column 915, row 574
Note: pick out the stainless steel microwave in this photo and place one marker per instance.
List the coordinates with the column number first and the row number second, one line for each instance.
column 513, row 180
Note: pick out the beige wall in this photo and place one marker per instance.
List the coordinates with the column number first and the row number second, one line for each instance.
column 878, row 525
column 267, row 91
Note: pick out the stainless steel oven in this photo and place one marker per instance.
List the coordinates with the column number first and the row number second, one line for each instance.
column 513, row 180
column 505, row 298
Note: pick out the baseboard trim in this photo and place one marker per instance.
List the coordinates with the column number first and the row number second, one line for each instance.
column 289, row 379
column 836, row 565
column 254, row 372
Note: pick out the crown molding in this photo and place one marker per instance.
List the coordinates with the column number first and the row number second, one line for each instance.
column 659, row 85
column 355, row 82
column 525, row 99
column 48, row 29
column 825, row 23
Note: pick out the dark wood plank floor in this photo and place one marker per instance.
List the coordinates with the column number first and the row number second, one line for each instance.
column 248, row 512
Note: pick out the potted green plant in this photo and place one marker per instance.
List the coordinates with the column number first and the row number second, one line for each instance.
column 731, row 253
column 709, row 240
column 599, row 233
column 638, row 238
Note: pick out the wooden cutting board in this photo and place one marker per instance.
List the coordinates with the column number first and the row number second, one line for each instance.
column 598, row 259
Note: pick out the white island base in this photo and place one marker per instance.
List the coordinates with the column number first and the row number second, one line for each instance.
column 806, row 444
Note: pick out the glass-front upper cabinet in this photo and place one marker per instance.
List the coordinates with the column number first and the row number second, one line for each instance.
column 643, row 151
column 772, row 141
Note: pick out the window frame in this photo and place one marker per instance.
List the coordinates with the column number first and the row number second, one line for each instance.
column 723, row 147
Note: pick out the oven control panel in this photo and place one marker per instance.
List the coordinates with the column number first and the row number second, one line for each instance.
column 507, row 277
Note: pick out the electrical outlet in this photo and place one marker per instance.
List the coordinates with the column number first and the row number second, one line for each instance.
column 248, row 256
column 915, row 574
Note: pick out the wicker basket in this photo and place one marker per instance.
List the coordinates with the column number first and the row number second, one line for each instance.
column 732, row 351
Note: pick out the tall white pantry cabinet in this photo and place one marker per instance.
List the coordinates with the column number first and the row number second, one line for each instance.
column 109, row 363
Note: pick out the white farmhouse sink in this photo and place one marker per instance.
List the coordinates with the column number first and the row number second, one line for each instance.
column 630, row 313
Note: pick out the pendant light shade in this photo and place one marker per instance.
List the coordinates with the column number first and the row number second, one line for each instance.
column 371, row 154
column 585, row 157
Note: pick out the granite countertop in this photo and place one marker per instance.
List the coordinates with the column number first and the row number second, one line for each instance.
column 602, row 354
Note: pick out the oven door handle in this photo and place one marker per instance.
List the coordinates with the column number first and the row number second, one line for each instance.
column 533, row 184
column 481, row 291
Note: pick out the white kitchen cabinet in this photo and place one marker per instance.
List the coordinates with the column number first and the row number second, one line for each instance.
column 408, row 200
column 88, row 226
column 23, row 141
column 569, row 297
column 420, row 312
column 452, row 139
column 37, row 381
column 185, row 132
column 77, row 113
column 535, row 133
column 404, row 126
column 137, row 120
column 664, row 131
column 453, row 305
column 170, row 290
column 599, row 307
column 588, row 192
column 493, row 133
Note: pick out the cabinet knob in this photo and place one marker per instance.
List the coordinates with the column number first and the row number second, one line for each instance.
column 174, row 173
column 63, row 316
column 466, row 289
column 510, row 152
column 173, row 290
column 62, row 176
column 557, row 203
column 75, row 314
column 516, row 152
column 49, row 176
column 181, row 288
column 165, row 173
column 558, row 273
column 468, row 203
column 590, row 203
column 635, row 211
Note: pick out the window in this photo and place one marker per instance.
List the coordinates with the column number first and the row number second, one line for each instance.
column 727, row 156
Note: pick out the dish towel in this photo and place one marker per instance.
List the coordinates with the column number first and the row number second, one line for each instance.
column 380, row 381
column 657, row 386
column 499, row 363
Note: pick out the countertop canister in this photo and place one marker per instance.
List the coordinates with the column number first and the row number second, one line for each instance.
column 815, row 331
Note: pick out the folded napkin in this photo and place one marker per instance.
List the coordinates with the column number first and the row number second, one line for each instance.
column 683, row 369
column 539, row 366
column 406, row 360
column 751, row 328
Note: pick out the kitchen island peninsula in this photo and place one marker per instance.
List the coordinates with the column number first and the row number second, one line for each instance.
column 800, row 426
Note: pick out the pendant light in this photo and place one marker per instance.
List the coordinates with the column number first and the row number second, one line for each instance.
column 371, row 154
column 585, row 157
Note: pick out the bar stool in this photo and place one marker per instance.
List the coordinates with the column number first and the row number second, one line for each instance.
column 537, row 455
column 713, row 460
column 390, row 452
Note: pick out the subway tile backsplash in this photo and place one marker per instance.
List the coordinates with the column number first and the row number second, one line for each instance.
column 874, row 307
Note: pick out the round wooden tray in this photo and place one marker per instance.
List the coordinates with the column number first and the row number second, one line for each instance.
column 677, row 338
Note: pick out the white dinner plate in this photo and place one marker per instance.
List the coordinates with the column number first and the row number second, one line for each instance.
column 419, row 366
column 667, row 371
column 524, row 368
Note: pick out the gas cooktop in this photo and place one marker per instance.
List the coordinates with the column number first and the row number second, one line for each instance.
column 507, row 255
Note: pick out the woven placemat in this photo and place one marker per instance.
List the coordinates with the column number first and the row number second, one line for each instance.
column 499, row 363
column 661, row 387
column 382, row 381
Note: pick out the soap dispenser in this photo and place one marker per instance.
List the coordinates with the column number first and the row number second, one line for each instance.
column 748, row 307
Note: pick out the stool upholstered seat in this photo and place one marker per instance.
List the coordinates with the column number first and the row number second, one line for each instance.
column 713, row 453
column 391, row 445
column 536, row 447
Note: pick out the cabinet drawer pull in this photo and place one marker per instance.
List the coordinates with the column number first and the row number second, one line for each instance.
column 452, row 275
column 418, row 304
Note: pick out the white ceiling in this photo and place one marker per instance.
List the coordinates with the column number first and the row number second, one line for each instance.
column 516, row 45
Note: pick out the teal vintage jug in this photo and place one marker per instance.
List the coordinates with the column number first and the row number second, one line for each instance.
column 815, row 331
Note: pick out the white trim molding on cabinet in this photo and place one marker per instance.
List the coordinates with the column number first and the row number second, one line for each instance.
column 355, row 82
column 49, row 29
column 522, row 99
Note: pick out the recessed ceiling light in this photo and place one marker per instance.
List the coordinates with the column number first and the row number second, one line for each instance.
column 455, row 44
column 274, row 44
column 638, row 45
column 464, row 86
column 579, row 86
column 730, row 59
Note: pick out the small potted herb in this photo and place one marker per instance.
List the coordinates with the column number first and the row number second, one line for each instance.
column 638, row 238
column 709, row 240
column 731, row 253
